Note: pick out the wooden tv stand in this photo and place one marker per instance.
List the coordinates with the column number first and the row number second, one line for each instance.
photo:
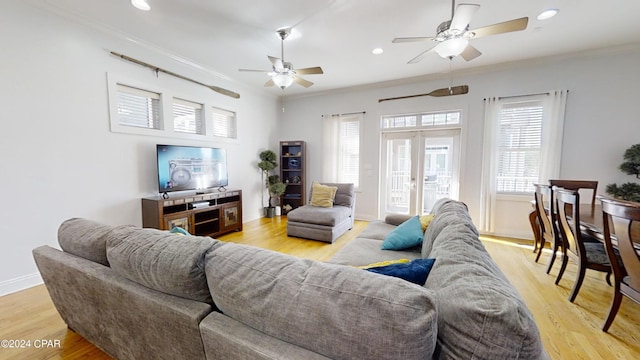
column 209, row 214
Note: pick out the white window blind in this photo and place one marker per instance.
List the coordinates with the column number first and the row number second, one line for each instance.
column 187, row 117
column 349, row 158
column 138, row 108
column 224, row 123
column 519, row 146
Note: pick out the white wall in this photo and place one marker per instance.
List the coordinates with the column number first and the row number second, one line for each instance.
column 602, row 120
column 59, row 158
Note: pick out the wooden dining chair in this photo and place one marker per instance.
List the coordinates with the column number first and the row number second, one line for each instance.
column 546, row 221
column 588, row 255
column 626, row 267
column 578, row 185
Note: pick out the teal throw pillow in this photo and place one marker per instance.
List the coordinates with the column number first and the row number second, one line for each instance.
column 405, row 236
column 415, row 271
column 179, row 230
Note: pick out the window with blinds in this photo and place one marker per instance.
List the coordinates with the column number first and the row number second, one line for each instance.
column 421, row 120
column 187, row 117
column 519, row 146
column 349, row 156
column 138, row 108
column 224, row 123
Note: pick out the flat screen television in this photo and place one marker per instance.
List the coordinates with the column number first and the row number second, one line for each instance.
column 182, row 168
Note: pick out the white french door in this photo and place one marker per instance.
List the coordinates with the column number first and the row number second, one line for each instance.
column 417, row 168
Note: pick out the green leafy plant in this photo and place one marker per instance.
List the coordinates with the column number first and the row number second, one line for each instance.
column 631, row 166
column 272, row 182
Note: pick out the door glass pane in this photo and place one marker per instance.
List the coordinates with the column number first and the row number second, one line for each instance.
column 398, row 184
column 438, row 170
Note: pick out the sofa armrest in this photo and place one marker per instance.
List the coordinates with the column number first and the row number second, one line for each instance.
column 396, row 219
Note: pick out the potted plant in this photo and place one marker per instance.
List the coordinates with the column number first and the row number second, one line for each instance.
column 272, row 182
column 629, row 191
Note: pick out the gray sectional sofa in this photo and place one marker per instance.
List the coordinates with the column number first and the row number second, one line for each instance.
column 149, row 294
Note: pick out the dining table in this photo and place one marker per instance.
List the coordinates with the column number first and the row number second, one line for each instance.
column 592, row 222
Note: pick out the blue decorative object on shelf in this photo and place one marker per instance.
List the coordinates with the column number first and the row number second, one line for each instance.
column 294, row 163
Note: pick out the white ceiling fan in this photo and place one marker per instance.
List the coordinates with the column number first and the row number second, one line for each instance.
column 453, row 35
column 282, row 73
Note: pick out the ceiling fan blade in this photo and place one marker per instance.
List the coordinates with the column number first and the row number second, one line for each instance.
column 252, row 70
column 310, row 71
column 411, row 39
column 503, row 27
column 269, row 83
column 469, row 53
column 462, row 16
column 302, row 81
column 277, row 63
column 420, row 56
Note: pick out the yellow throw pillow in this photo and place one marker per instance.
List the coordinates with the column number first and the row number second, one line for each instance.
column 322, row 195
column 385, row 263
column 425, row 220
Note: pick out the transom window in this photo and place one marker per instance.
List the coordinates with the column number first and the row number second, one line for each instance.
column 421, row 120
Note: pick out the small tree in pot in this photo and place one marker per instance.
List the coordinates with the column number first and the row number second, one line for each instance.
column 272, row 183
column 631, row 166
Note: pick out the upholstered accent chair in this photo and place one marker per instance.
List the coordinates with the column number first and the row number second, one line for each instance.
column 324, row 223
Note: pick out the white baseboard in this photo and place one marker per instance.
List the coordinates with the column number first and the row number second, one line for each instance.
column 19, row 283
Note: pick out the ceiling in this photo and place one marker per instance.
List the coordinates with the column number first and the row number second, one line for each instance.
column 339, row 35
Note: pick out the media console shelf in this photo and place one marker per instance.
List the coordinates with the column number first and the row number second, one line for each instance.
column 209, row 214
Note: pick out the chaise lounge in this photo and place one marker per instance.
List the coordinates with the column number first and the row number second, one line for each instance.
column 326, row 217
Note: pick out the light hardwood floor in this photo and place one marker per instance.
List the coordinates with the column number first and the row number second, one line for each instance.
column 569, row 331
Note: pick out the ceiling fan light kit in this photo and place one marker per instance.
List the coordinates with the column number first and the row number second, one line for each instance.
column 282, row 80
column 451, row 47
column 141, row 5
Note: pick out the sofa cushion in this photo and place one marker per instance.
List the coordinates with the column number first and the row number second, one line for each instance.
column 480, row 315
column 319, row 215
column 447, row 213
column 170, row 263
column 85, row 238
column 362, row 251
column 337, row 311
column 322, row 195
column 376, row 229
column 345, row 195
column 405, row 236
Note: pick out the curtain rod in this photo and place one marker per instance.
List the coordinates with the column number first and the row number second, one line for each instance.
column 351, row 113
column 515, row 96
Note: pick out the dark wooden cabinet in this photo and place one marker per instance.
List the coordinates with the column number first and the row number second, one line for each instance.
column 209, row 214
column 292, row 172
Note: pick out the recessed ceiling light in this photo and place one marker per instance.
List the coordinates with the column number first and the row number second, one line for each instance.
column 377, row 51
column 141, row 5
column 547, row 14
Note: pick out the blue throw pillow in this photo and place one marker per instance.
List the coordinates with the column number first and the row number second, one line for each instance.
column 415, row 271
column 405, row 236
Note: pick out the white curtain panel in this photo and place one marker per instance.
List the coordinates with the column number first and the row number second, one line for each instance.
column 488, row 182
column 330, row 147
column 554, row 104
column 552, row 131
